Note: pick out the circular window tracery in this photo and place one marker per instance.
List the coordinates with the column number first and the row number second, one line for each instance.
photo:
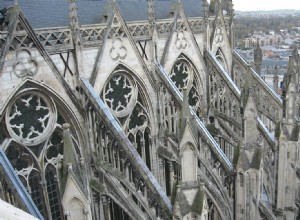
column 184, row 76
column 30, row 118
column 120, row 94
column 181, row 74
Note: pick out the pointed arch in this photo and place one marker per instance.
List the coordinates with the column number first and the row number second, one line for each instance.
column 188, row 163
column 140, row 87
column 222, row 59
column 76, row 208
column 184, row 56
column 125, row 94
column 41, row 112
column 32, row 85
column 188, row 145
column 185, row 74
column 53, row 192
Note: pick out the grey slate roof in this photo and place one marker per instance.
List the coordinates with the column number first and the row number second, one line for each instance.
column 43, row 13
column 280, row 63
column 193, row 8
column 55, row 13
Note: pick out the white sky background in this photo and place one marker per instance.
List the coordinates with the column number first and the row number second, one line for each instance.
column 256, row 5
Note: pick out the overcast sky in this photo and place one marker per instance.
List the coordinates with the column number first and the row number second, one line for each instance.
column 253, row 5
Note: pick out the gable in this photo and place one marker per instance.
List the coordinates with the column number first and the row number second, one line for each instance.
column 219, row 41
column 119, row 47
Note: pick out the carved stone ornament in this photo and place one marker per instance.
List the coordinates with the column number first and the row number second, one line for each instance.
column 181, row 41
column 120, row 94
column 118, row 51
column 25, row 64
column 30, row 118
column 219, row 35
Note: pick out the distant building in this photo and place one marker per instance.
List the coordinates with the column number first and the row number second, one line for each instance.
column 264, row 40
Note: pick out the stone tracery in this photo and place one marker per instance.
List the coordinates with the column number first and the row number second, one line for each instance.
column 124, row 97
column 34, row 146
column 30, row 117
column 184, row 76
column 120, row 94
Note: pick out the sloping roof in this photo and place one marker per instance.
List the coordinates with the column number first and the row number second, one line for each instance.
column 8, row 211
column 55, row 13
column 280, row 63
column 17, row 189
column 43, row 13
column 193, row 8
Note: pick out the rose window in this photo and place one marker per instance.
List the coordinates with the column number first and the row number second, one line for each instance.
column 184, row 75
column 120, row 94
column 30, row 118
column 180, row 74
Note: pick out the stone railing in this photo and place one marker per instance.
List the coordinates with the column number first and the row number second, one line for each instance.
column 55, row 39
column 214, row 147
column 224, row 98
column 268, row 102
column 60, row 39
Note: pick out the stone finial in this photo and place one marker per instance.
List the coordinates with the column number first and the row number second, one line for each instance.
column 230, row 7
column 66, row 126
column 198, row 203
column 291, row 95
column 68, row 145
column 186, row 107
column 151, row 13
column 258, row 57
column 247, row 83
column 275, row 80
column 73, row 14
column 69, row 154
column 205, row 7
column 251, row 133
column 295, row 50
column 185, row 112
column 256, row 160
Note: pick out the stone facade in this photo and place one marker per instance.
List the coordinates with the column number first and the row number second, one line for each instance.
column 143, row 110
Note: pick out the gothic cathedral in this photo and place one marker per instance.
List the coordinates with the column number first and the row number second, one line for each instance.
column 136, row 109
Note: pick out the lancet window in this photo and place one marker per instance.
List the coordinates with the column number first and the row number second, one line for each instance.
column 124, row 96
column 184, row 75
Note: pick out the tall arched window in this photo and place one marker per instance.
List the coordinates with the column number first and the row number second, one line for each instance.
column 184, row 76
column 34, row 145
column 124, row 96
column 53, row 192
